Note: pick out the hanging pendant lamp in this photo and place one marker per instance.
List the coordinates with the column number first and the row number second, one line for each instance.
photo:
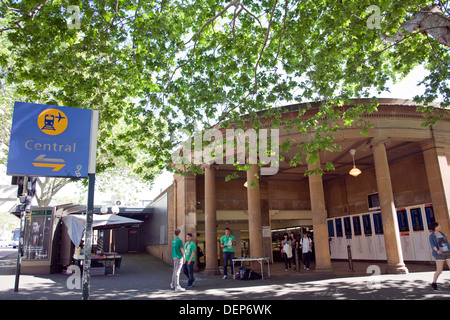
column 355, row 171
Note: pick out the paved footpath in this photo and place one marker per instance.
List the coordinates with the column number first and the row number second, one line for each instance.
column 145, row 277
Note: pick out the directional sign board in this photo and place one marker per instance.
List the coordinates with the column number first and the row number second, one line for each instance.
column 49, row 141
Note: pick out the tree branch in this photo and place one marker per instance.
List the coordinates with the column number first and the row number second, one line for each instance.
column 255, row 87
column 11, row 9
column 197, row 37
column 36, row 9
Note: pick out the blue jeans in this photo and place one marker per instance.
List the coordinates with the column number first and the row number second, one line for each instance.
column 188, row 270
column 228, row 256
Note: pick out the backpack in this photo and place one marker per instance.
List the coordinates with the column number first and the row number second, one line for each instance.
column 243, row 273
column 254, row 276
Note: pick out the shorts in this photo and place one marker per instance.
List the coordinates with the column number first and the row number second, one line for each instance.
column 443, row 256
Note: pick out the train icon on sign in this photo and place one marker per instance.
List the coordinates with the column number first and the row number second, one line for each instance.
column 52, row 122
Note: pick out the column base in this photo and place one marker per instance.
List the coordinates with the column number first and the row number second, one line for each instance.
column 214, row 271
column 399, row 268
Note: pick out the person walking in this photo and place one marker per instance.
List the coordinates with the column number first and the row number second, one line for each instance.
column 441, row 251
column 227, row 242
column 178, row 260
column 189, row 257
column 286, row 244
column 306, row 246
column 294, row 249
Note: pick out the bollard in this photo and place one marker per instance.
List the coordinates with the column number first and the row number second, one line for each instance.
column 350, row 260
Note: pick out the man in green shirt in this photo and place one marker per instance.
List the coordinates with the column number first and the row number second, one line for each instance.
column 178, row 260
column 227, row 242
column 189, row 257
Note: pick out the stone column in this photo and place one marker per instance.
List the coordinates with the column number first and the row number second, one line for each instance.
column 319, row 217
column 394, row 252
column 212, row 267
column 438, row 174
column 254, row 213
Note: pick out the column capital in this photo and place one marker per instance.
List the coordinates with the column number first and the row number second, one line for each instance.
column 316, row 165
column 377, row 141
column 432, row 143
column 214, row 166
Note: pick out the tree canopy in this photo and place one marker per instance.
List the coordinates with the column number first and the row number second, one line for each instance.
column 158, row 66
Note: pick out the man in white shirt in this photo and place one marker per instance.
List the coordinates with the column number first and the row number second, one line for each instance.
column 306, row 246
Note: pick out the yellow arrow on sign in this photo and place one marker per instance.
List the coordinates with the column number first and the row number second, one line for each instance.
column 46, row 162
column 55, row 166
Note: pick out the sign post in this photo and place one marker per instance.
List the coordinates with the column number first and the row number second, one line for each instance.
column 19, row 248
column 90, row 208
column 55, row 141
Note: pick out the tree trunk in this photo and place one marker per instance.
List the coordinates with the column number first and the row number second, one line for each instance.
column 48, row 188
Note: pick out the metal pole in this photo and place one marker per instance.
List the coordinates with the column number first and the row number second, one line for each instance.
column 90, row 205
column 88, row 237
column 350, row 260
column 19, row 256
column 19, row 248
column 114, row 259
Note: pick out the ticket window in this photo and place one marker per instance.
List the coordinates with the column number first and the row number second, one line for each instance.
column 403, row 221
column 367, row 225
column 338, row 223
column 416, row 219
column 378, row 223
column 330, row 229
column 347, row 228
column 429, row 212
column 357, row 226
column 331, row 235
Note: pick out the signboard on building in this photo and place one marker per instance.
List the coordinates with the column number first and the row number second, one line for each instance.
column 49, row 141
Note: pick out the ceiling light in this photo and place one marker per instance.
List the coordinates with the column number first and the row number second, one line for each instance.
column 355, row 171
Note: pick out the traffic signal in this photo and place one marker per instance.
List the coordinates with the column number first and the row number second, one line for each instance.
column 25, row 204
column 25, row 200
column 31, row 186
column 19, row 181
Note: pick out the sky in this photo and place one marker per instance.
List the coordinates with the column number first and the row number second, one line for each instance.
column 405, row 89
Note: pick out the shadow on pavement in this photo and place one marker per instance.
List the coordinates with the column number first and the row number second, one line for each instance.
column 145, row 277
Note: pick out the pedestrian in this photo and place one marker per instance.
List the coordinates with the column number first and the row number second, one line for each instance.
column 294, row 249
column 189, row 257
column 441, row 250
column 286, row 246
column 227, row 242
column 306, row 246
column 178, row 260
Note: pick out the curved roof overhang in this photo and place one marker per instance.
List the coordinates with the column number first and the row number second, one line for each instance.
column 396, row 122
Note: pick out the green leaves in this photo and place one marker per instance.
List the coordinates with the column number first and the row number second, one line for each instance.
column 152, row 67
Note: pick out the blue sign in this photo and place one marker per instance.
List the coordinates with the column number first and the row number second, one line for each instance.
column 49, row 141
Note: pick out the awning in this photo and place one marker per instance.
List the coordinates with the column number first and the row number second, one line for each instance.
column 76, row 224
